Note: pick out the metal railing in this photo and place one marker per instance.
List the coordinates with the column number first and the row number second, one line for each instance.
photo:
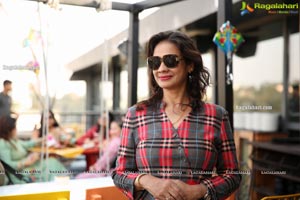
column 77, row 122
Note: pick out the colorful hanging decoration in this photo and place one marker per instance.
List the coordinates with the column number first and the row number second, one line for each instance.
column 34, row 66
column 33, row 38
column 228, row 40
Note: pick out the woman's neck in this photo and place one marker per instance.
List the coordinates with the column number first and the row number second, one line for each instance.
column 173, row 98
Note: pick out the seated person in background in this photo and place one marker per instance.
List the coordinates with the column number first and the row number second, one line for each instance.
column 15, row 153
column 109, row 153
column 92, row 135
column 57, row 136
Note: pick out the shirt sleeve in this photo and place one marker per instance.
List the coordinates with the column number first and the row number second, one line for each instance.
column 27, row 144
column 89, row 134
column 6, row 155
column 227, row 179
column 125, row 172
column 109, row 155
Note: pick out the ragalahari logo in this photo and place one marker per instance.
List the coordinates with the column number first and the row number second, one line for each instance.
column 246, row 8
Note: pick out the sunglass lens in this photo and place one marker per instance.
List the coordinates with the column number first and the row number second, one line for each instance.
column 170, row 61
column 154, row 62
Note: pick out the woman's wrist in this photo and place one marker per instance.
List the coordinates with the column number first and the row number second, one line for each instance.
column 205, row 194
column 137, row 183
column 198, row 190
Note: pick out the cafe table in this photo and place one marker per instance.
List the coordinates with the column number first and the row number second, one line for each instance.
column 91, row 154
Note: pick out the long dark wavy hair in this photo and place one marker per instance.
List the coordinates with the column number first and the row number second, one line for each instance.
column 7, row 125
column 110, row 119
column 199, row 77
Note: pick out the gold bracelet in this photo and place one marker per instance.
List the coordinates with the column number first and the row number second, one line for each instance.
column 138, row 184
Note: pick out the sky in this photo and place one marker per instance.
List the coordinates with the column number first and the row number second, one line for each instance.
column 64, row 29
column 67, row 34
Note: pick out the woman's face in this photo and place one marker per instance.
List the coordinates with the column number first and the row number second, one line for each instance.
column 102, row 120
column 170, row 78
column 51, row 120
column 115, row 129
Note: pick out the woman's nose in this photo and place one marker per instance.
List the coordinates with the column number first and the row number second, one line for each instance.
column 162, row 67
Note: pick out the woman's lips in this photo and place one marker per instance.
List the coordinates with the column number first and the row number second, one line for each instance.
column 164, row 78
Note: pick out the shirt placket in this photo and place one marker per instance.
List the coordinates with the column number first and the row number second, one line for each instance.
column 184, row 161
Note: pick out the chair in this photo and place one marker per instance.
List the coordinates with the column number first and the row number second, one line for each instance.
column 2, row 174
column 283, row 197
column 9, row 171
column 105, row 193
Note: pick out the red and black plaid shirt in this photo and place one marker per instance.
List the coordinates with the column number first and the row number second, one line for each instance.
column 201, row 144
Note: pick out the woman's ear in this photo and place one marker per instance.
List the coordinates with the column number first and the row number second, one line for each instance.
column 191, row 68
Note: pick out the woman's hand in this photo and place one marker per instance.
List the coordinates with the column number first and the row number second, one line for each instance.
column 87, row 141
column 162, row 189
column 35, row 134
column 191, row 192
column 92, row 168
column 67, row 139
column 31, row 159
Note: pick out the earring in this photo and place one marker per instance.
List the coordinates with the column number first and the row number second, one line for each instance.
column 190, row 77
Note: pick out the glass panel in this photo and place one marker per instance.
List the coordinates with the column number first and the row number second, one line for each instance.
column 259, row 77
column 258, row 87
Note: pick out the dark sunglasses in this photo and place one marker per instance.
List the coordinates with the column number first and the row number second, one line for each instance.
column 170, row 60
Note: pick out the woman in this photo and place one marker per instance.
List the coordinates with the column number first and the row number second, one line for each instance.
column 57, row 136
column 172, row 142
column 15, row 153
column 92, row 134
column 110, row 151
